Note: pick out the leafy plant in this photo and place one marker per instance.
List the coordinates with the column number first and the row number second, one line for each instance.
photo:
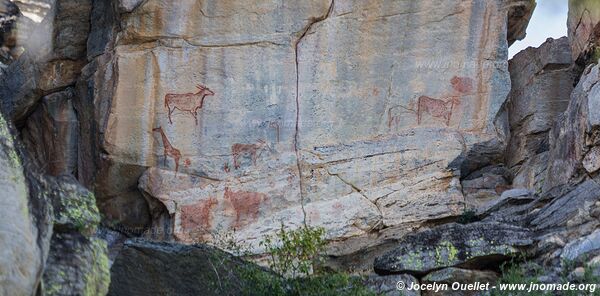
column 294, row 252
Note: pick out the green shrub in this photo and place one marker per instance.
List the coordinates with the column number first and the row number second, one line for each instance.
column 292, row 257
column 293, row 253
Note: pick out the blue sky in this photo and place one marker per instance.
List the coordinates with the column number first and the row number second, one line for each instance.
column 549, row 20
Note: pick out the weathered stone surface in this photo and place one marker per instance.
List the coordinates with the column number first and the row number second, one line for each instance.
column 570, row 210
column 21, row 258
column 508, row 198
column 532, row 173
column 51, row 134
column 387, row 285
column 52, row 60
column 289, row 143
column 128, row 5
column 584, row 33
column 453, row 275
column 542, row 80
column 453, row 244
column 76, row 265
column 77, row 261
column 485, row 186
column 518, row 18
column 591, row 161
column 150, row 268
column 584, row 246
column 566, row 219
column 569, row 140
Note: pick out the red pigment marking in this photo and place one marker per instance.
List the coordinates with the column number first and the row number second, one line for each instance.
column 239, row 150
column 168, row 149
column 245, row 204
column 436, row 108
column 188, row 102
column 198, row 216
column 462, row 85
column 337, row 205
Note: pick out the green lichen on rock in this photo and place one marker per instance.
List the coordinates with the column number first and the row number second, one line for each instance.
column 77, row 263
column 97, row 279
column 75, row 208
column 77, row 266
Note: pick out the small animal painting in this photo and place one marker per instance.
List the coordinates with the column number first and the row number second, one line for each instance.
column 463, row 85
column 246, row 205
column 168, row 149
column 188, row 102
column 251, row 150
column 436, row 108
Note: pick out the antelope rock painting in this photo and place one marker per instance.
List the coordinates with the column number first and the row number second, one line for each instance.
column 188, row 102
column 252, row 150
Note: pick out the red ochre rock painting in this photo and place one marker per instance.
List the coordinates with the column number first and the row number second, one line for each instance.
column 188, row 102
column 463, row 85
column 168, row 149
column 239, row 150
column 196, row 219
column 246, row 205
column 436, row 108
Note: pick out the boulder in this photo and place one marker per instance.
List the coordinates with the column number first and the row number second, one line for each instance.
column 575, row 133
column 472, row 245
column 289, row 144
column 76, row 265
column 151, row 268
column 583, row 248
column 77, row 261
column 22, row 254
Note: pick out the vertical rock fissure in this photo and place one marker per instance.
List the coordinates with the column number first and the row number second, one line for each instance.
column 297, row 123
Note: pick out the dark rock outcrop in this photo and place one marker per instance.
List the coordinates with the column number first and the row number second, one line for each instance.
column 160, row 268
column 476, row 245
column 542, row 80
column 465, row 277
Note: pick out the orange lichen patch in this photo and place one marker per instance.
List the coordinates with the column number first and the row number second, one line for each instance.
column 246, row 205
column 196, row 219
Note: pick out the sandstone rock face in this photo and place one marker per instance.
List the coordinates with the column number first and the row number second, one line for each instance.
column 321, row 111
column 51, row 134
column 584, row 32
column 21, row 258
column 575, row 133
column 454, row 245
column 52, row 61
column 542, row 80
